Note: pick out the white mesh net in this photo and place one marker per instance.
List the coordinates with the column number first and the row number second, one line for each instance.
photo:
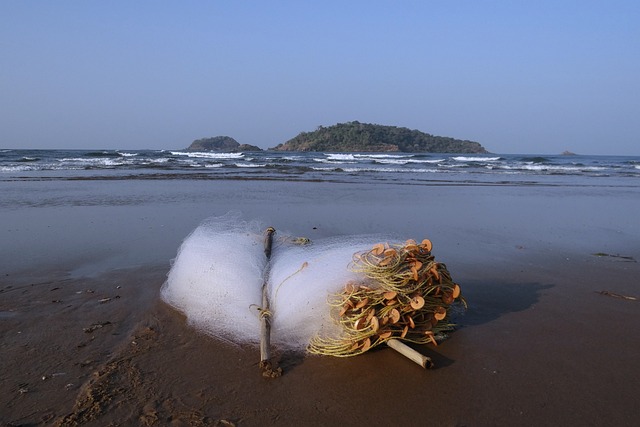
column 217, row 277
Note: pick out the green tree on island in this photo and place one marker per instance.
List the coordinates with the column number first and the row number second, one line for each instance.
column 364, row 137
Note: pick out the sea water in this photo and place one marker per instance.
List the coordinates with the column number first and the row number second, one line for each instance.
column 418, row 168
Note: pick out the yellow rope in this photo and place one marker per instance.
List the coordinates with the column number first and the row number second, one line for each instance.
column 302, row 267
column 262, row 312
column 405, row 295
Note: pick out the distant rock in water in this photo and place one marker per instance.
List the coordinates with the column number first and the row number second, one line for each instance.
column 364, row 137
column 220, row 143
column 568, row 153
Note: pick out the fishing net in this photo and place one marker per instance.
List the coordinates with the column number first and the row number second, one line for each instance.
column 218, row 273
column 322, row 298
column 216, row 278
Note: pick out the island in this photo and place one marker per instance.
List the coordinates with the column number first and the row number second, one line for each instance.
column 220, row 143
column 364, row 137
column 352, row 137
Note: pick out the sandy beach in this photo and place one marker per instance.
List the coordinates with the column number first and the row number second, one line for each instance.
column 548, row 338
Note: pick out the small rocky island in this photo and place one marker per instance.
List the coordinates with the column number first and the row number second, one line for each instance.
column 221, row 143
column 352, row 137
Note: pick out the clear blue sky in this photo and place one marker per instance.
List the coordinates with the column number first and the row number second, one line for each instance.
column 517, row 76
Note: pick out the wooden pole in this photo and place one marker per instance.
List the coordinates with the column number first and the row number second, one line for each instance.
column 265, row 314
column 265, row 329
column 410, row 353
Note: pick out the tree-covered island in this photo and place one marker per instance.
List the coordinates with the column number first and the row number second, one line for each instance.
column 364, row 137
column 352, row 137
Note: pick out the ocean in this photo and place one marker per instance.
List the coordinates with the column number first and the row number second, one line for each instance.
column 402, row 168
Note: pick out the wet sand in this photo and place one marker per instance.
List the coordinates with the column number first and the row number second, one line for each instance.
column 87, row 341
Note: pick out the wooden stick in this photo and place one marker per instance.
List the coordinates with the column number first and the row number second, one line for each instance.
column 265, row 329
column 265, row 314
column 410, row 353
column 268, row 242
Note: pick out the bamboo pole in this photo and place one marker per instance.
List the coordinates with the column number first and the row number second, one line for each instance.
column 265, row 314
column 265, row 329
column 410, row 353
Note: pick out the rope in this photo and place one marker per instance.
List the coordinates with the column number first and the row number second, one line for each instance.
column 406, row 295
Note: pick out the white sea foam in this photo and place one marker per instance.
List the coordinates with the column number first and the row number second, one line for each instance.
column 382, row 156
column 393, row 161
column 125, row 154
column 99, row 161
column 555, row 168
column 161, row 160
column 325, row 169
column 340, row 157
column 249, row 165
column 208, row 155
column 378, row 169
column 217, row 276
column 390, row 170
column 19, row 168
column 404, row 161
column 475, row 159
column 453, row 165
column 188, row 162
column 336, row 161
column 77, row 159
column 354, row 158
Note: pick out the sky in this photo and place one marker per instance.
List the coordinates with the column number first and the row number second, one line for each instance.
column 527, row 77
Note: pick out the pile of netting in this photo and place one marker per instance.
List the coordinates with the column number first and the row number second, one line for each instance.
column 405, row 294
